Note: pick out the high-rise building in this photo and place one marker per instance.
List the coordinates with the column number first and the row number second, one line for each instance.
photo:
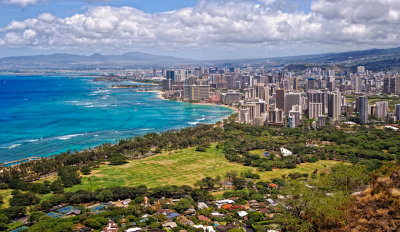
column 262, row 92
column 167, row 84
column 391, row 85
column 357, row 83
column 361, row 69
column 291, row 99
column 275, row 116
column 314, row 110
column 296, row 115
column 280, row 99
column 196, row 92
column 363, row 109
column 296, row 84
column 334, row 105
column 230, row 97
column 244, row 115
column 171, row 75
column 397, row 111
column 310, row 83
column 291, row 121
column 381, row 110
column 332, row 73
column 318, row 97
column 321, row 121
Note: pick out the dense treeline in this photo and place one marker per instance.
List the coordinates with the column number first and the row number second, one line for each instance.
column 366, row 145
column 149, row 144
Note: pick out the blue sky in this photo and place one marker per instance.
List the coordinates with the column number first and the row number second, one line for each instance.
column 200, row 29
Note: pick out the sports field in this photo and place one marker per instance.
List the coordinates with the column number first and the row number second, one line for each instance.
column 183, row 167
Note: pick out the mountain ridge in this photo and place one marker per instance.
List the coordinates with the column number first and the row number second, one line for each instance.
column 381, row 58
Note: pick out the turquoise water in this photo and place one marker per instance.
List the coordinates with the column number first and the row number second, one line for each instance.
column 44, row 115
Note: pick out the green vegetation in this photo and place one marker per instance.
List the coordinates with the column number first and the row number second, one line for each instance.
column 192, row 163
column 179, row 168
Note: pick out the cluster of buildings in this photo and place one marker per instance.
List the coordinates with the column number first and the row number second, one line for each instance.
column 285, row 97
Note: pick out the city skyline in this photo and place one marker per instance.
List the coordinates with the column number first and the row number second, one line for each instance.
column 205, row 29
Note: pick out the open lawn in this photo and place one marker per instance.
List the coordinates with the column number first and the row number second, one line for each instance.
column 6, row 195
column 183, row 167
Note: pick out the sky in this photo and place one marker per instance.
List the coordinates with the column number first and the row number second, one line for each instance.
column 197, row 29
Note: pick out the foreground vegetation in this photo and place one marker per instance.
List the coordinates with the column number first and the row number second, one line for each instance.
column 192, row 163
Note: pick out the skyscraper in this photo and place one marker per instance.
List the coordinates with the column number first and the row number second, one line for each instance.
column 363, row 109
column 318, row 97
column 262, row 92
column 296, row 84
column 334, row 105
column 291, row 100
column 171, row 75
column 391, row 85
column 397, row 111
column 381, row 110
column 310, row 83
column 357, row 83
column 280, row 99
column 314, row 110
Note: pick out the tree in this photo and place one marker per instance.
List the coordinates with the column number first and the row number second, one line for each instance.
column 35, row 216
column 18, row 184
column 239, row 183
column 105, row 195
column 69, row 176
column 57, row 186
column 231, row 174
column 92, row 223
column 86, row 170
column 14, row 212
column 24, row 199
column 182, row 205
column 118, row 159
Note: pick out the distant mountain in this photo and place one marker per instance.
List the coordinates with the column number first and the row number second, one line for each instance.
column 373, row 59
column 60, row 61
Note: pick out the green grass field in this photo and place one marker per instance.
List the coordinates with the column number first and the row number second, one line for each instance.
column 183, row 167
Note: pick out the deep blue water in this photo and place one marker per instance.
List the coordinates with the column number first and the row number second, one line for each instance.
column 44, row 115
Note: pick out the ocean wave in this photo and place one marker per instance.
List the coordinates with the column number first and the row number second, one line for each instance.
column 145, row 129
column 84, row 104
column 11, row 147
column 102, row 91
column 193, row 123
column 98, row 106
column 66, row 137
column 201, row 119
column 30, row 140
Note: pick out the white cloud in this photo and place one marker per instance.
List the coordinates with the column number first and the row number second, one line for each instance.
column 216, row 24
column 21, row 3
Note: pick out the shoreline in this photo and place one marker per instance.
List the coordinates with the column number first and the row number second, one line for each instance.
column 159, row 94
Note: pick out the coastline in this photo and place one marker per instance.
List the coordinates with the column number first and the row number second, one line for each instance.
column 159, row 95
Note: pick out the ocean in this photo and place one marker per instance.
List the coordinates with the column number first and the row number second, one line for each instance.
column 45, row 115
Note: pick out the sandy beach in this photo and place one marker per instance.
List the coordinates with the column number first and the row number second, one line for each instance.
column 161, row 96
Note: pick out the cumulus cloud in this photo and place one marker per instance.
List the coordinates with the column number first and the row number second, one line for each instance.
column 214, row 23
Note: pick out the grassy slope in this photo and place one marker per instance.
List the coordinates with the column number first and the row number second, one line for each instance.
column 178, row 168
